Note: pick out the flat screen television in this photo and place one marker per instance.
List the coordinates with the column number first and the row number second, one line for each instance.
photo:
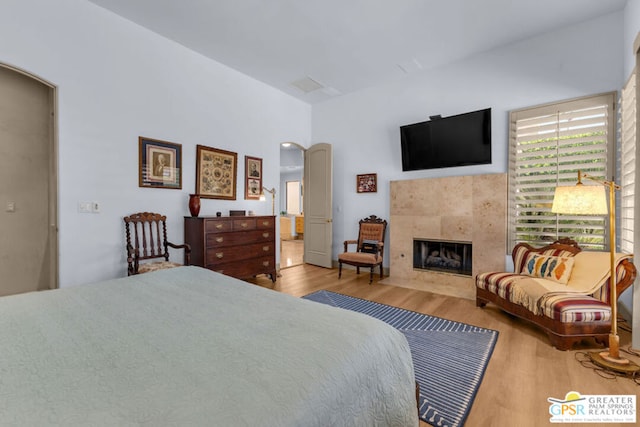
column 443, row 142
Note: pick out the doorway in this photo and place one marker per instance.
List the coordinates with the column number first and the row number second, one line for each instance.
column 28, row 184
column 291, row 213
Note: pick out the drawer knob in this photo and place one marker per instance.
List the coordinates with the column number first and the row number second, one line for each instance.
column 219, row 255
column 265, row 235
column 219, row 226
column 265, row 248
column 266, row 263
column 265, row 223
column 243, row 225
column 219, row 239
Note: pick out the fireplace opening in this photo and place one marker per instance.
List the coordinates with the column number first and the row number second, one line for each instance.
column 444, row 256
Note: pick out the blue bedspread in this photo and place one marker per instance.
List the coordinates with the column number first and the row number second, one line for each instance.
column 189, row 347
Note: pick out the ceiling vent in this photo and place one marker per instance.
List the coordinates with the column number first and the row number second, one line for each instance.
column 307, row 85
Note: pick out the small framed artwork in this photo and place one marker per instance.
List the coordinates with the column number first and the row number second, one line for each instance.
column 252, row 178
column 367, row 183
column 159, row 164
column 216, row 172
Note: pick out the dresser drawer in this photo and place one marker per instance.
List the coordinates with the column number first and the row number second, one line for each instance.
column 266, row 223
column 246, row 269
column 217, row 240
column 244, row 224
column 218, row 226
column 235, row 253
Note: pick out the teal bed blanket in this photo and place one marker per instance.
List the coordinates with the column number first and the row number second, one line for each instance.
column 190, row 347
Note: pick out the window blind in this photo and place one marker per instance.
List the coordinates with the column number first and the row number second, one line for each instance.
column 548, row 145
column 627, row 163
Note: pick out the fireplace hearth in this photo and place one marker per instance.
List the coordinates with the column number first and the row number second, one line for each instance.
column 453, row 257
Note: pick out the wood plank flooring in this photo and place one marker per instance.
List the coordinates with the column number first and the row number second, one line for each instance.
column 524, row 369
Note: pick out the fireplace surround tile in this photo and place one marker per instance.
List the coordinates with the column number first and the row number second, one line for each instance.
column 466, row 208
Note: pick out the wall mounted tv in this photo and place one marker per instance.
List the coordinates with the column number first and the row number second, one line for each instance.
column 442, row 142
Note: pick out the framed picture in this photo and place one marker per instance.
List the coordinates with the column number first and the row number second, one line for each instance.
column 367, row 183
column 216, row 172
column 159, row 164
column 252, row 178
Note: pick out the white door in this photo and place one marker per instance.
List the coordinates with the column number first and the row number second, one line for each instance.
column 318, row 222
column 28, row 236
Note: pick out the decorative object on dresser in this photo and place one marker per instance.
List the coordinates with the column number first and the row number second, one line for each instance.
column 562, row 289
column 238, row 246
column 159, row 164
column 371, row 237
column 148, row 243
column 216, row 172
column 252, row 178
column 194, row 204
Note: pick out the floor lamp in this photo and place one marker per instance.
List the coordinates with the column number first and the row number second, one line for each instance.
column 273, row 198
column 592, row 200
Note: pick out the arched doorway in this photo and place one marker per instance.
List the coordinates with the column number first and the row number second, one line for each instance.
column 315, row 221
column 28, row 183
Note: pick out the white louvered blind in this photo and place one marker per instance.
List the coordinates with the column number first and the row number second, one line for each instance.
column 627, row 163
column 548, row 145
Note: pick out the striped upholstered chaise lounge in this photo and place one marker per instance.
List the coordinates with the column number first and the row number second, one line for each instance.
column 560, row 288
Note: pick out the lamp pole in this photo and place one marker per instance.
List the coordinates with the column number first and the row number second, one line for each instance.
column 611, row 359
column 273, row 198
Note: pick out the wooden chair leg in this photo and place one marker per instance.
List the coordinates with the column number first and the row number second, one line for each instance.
column 371, row 276
column 339, row 270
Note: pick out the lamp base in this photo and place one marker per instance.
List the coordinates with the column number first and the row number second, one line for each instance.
column 620, row 365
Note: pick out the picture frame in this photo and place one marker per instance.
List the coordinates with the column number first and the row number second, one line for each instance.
column 367, row 183
column 159, row 164
column 216, row 173
column 252, row 178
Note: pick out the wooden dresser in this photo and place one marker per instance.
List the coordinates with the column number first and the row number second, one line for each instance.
column 238, row 246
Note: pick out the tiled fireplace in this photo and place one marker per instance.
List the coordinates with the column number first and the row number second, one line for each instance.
column 465, row 209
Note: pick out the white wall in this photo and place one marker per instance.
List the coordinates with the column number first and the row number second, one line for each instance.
column 117, row 81
column 364, row 127
column 631, row 30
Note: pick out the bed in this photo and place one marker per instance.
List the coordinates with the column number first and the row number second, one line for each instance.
column 187, row 346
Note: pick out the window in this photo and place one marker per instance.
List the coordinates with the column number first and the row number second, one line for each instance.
column 293, row 197
column 547, row 146
column 627, row 164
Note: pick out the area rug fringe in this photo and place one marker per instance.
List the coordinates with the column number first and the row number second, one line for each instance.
column 449, row 357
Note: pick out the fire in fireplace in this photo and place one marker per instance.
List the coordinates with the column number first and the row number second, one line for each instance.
column 444, row 256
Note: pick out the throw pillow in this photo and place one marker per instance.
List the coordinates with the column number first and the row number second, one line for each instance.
column 549, row 267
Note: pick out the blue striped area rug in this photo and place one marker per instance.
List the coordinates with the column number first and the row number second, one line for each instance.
column 449, row 358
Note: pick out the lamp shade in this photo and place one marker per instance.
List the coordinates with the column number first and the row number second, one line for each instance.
column 580, row 200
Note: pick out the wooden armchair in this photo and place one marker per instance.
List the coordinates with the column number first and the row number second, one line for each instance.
column 147, row 240
column 369, row 247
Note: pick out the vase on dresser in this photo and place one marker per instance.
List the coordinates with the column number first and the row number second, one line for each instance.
column 194, row 204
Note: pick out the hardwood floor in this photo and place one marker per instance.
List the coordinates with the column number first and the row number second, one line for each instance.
column 291, row 253
column 524, row 369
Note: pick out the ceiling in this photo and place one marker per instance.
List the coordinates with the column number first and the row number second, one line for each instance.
column 344, row 46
